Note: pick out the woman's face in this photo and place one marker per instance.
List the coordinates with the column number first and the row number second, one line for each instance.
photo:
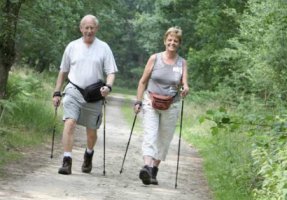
column 88, row 30
column 171, row 42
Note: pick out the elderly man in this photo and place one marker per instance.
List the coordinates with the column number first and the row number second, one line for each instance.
column 86, row 61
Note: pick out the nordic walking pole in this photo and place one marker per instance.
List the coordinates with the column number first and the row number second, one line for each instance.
column 54, row 130
column 179, row 141
column 104, row 138
column 128, row 143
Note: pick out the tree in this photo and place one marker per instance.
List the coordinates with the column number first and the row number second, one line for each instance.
column 44, row 29
column 257, row 56
column 216, row 22
column 9, row 18
column 150, row 25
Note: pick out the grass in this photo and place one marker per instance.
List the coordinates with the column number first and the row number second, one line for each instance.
column 225, row 156
column 27, row 119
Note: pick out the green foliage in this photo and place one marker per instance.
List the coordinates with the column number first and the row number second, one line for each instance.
column 256, row 55
column 150, row 25
column 26, row 120
column 228, row 156
column 48, row 26
column 246, row 152
column 53, row 24
column 215, row 23
column 118, row 31
column 224, row 146
column 270, row 162
column 23, row 87
column 272, row 171
column 235, row 48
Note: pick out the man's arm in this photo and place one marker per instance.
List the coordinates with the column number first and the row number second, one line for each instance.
column 109, row 84
column 57, row 92
column 60, row 80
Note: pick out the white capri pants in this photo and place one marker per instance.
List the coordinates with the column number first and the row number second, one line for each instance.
column 159, row 127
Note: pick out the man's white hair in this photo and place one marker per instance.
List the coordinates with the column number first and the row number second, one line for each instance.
column 94, row 18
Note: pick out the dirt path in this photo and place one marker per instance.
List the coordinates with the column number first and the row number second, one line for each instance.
column 36, row 177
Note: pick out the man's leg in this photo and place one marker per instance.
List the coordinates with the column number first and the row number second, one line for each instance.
column 67, row 140
column 88, row 156
column 91, row 138
column 68, row 134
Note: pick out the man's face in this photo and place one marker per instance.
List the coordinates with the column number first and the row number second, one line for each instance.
column 88, row 30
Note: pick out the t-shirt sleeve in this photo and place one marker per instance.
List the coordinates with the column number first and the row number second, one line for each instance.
column 65, row 63
column 109, row 61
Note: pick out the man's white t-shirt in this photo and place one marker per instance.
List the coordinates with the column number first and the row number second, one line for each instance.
column 86, row 65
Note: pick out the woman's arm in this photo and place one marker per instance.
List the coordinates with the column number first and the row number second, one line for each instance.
column 144, row 81
column 185, row 88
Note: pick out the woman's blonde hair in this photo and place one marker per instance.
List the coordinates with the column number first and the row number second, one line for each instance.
column 176, row 31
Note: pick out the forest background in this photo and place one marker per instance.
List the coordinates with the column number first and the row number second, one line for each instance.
column 236, row 54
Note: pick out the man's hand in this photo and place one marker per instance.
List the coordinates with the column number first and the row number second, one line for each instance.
column 105, row 90
column 57, row 98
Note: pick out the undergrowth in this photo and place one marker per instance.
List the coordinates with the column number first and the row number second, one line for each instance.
column 243, row 146
column 27, row 117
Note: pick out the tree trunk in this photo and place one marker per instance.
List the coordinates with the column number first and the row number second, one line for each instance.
column 10, row 11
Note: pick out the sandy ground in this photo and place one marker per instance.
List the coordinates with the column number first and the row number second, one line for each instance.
column 36, row 177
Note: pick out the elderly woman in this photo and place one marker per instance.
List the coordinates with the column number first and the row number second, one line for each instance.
column 163, row 83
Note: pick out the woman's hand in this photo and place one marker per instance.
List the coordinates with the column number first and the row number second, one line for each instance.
column 137, row 106
column 184, row 91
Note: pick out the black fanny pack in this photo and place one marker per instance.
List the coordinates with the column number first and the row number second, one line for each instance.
column 92, row 93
